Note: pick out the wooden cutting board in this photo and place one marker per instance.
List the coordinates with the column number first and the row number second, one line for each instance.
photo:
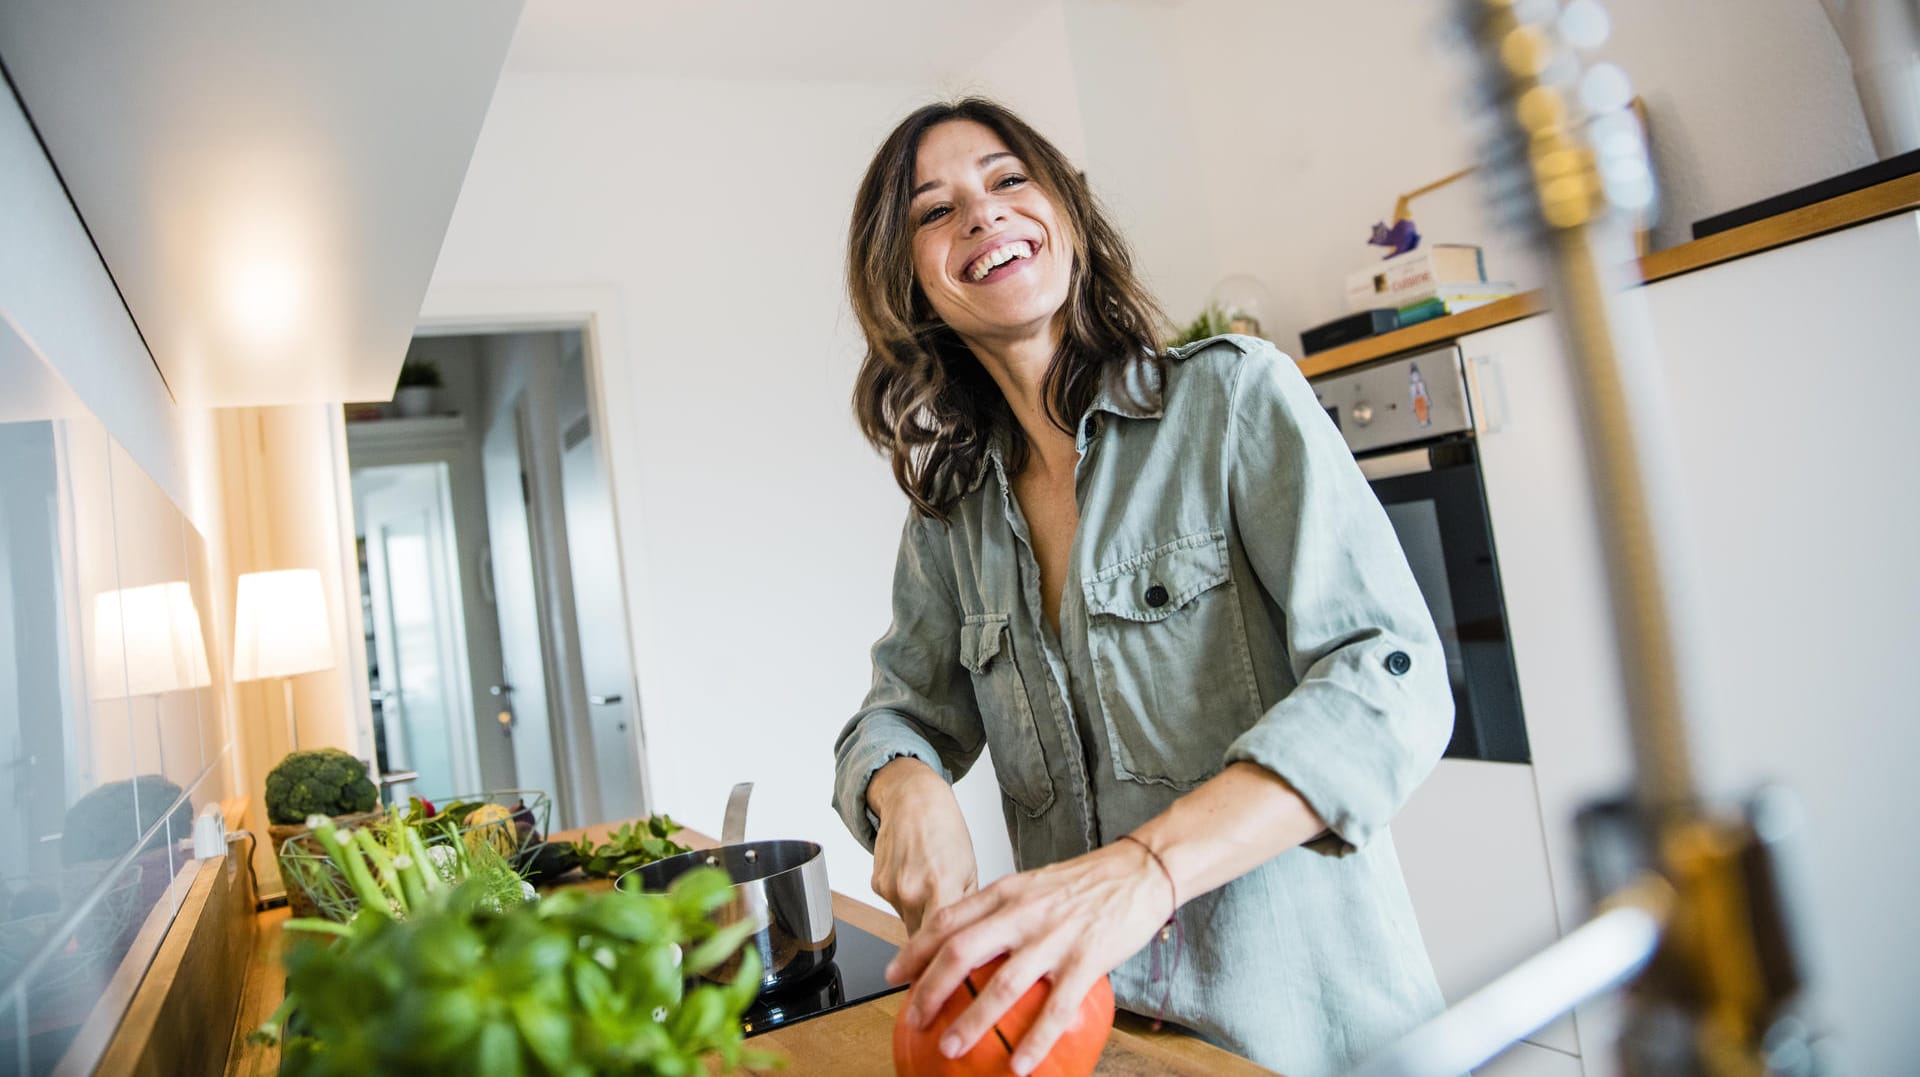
column 858, row 1042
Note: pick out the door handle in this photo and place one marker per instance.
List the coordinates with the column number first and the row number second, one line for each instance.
column 604, row 701
column 504, row 693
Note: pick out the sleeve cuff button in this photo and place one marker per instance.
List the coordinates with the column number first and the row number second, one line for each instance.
column 1398, row 663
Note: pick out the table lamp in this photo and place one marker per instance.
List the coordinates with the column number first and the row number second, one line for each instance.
column 281, row 629
column 156, row 631
column 159, row 627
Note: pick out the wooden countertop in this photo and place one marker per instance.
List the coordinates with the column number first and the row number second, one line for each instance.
column 854, row 1042
column 1881, row 200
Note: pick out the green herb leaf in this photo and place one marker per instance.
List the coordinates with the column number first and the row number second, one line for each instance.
column 500, row 1051
column 546, row 1030
column 629, row 846
column 719, row 946
column 700, row 891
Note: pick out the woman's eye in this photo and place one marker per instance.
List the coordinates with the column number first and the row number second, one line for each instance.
column 934, row 214
column 1010, row 180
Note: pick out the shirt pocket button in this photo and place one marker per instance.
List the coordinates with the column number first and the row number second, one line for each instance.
column 1398, row 663
column 1156, row 596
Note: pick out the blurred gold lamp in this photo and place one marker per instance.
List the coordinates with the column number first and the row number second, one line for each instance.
column 281, row 629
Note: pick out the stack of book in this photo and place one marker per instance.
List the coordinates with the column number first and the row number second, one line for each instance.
column 1424, row 283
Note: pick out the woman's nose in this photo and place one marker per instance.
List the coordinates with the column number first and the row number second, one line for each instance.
column 982, row 216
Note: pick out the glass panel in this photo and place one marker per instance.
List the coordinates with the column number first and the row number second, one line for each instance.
column 210, row 699
column 34, row 698
column 106, row 670
column 166, row 659
column 103, row 913
column 68, row 906
column 15, row 1058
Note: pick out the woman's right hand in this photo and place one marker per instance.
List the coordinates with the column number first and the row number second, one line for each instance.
column 923, row 857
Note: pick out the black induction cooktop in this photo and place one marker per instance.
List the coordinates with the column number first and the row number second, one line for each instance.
column 854, row 975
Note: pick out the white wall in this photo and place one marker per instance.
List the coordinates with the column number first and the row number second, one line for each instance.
column 1303, row 123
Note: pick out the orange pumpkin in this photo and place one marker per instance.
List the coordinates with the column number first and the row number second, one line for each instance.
column 916, row 1052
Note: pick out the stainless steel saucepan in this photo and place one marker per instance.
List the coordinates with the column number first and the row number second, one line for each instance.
column 780, row 884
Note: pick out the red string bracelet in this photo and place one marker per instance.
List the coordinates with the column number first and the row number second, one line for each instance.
column 1168, row 930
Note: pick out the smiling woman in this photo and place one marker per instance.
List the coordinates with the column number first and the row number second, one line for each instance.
column 1155, row 586
column 990, row 195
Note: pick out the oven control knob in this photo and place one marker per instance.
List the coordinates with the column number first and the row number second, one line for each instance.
column 1362, row 413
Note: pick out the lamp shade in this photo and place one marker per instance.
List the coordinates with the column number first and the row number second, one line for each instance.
column 280, row 625
column 155, row 631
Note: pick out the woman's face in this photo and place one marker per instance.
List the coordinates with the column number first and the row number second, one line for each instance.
column 989, row 251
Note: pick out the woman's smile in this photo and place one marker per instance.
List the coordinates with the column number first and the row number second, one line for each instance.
column 989, row 244
column 999, row 261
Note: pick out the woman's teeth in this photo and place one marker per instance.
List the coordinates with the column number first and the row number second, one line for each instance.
column 998, row 257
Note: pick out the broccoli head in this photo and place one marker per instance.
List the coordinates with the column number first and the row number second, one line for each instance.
column 103, row 824
column 324, row 781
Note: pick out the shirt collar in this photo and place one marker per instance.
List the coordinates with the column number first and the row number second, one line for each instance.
column 1120, row 390
column 1124, row 385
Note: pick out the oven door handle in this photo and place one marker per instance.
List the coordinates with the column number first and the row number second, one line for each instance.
column 1394, row 465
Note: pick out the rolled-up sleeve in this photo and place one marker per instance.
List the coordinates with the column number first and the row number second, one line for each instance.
column 1371, row 710
column 921, row 704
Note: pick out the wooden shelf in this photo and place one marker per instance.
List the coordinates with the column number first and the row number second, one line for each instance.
column 425, row 432
column 1895, row 196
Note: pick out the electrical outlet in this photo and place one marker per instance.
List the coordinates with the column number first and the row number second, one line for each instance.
column 209, row 833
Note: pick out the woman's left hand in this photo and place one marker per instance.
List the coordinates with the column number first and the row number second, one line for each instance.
column 1071, row 923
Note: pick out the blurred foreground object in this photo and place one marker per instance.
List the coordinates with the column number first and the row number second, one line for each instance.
column 1694, row 918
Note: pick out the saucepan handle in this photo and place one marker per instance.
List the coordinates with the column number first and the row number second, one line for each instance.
column 733, row 830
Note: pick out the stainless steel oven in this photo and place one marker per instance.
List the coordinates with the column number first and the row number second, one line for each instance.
column 1409, row 422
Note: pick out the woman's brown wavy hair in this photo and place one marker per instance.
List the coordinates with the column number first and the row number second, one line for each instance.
column 921, row 397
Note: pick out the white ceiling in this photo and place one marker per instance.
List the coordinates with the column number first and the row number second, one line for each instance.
column 268, row 183
column 807, row 40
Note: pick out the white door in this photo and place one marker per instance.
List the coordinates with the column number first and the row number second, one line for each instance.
column 419, row 638
column 601, row 611
column 521, row 696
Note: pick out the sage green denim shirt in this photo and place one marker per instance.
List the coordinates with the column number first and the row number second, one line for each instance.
column 1235, row 592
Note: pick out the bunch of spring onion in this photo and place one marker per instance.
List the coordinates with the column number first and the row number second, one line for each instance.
column 394, row 872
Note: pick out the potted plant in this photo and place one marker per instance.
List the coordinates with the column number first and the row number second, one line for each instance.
column 437, row 978
column 418, row 391
column 321, row 781
column 1211, row 322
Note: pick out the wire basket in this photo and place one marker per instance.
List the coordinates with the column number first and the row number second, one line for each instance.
column 89, row 946
column 519, row 834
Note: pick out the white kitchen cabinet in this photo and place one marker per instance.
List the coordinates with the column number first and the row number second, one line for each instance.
column 1471, row 847
column 1795, row 379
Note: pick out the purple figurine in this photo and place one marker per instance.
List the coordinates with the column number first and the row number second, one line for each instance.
column 1401, row 238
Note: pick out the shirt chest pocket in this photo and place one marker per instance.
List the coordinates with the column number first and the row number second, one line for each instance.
column 1001, row 694
column 1170, row 659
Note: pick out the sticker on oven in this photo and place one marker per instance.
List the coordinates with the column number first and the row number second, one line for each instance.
column 1417, row 388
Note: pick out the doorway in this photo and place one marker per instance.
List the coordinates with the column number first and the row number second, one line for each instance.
column 521, row 610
